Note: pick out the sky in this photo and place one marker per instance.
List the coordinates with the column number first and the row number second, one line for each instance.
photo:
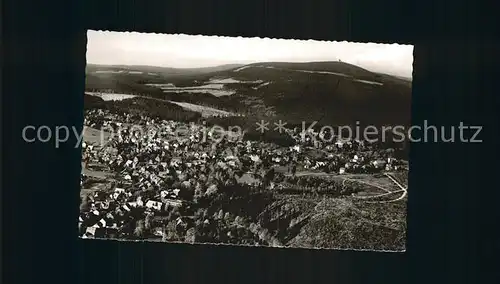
column 189, row 51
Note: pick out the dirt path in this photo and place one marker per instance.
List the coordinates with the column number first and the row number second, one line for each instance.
column 387, row 191
column 404, row 189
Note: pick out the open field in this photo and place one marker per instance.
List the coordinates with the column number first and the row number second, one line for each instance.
column 95, row 136
column 203, row 110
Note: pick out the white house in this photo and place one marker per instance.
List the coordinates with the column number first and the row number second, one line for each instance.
column 89, row 232
column 126, row 207
column 172, row 202
column 176, row 191
column 164, row 194
column 379, row 163
column 100, row 224
column 154, row 205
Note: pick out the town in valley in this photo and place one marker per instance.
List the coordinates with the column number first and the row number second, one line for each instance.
column 144, row 179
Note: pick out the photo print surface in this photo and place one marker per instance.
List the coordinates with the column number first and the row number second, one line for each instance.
column 245, row 141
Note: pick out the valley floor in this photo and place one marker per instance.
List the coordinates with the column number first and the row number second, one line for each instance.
column 235, row 192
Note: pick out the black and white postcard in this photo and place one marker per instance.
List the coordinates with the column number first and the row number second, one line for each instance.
column 246, row 141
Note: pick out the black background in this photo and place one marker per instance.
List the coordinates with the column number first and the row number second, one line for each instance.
column 452, row 218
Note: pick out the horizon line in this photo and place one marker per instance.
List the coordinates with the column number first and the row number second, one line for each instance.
column 157, row 66
column 243, row 64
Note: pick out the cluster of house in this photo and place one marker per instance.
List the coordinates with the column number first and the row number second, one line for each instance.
column 344, row 155
column 157, row 170
column 357, row 163
column 107, row 213
column 100, row 119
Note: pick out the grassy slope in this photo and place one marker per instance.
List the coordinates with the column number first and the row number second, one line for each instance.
column 342, row 223
column 143, row 106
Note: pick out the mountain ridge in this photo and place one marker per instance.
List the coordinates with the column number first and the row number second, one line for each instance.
column 331, row 91
column 235, row 66
column 161, row 69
